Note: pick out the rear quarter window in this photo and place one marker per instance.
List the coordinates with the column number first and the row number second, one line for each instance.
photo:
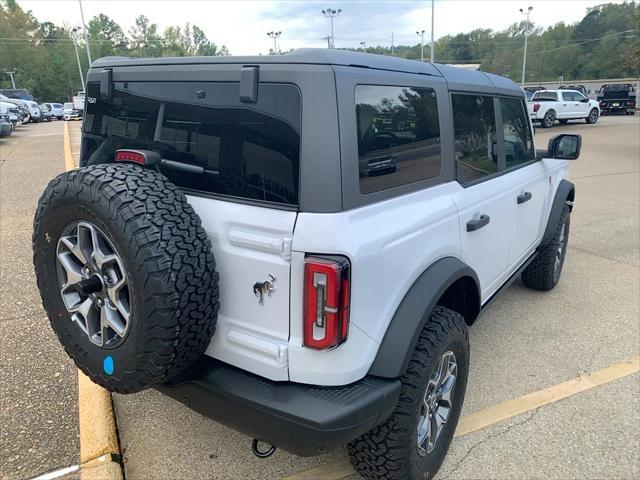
column 398, row 136
column 210, row 140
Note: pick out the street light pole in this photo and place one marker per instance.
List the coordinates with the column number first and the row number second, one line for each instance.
column 421, row 33
column 432, row 23
column 331, row 14
column 526, row 37
column 13, row 82
column 364, row 45
column 74, row 36
column 86, row 33
column 274, row 36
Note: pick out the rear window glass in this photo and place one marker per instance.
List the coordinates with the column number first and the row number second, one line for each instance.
column 545, row 97
column 398, row 136
column 210, row 141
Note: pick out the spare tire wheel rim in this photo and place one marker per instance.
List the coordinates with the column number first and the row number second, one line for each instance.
column 437, row 403
column 93, row 284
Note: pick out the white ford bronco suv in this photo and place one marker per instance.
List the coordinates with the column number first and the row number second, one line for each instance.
column 296, row 245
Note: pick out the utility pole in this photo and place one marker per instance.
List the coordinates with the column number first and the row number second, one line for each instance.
column 421, row 34
column 13, row 82
column 392, row 43
column 432, row 34
column 275, row 36
column 74, row 36
column 86, row 33
column 364, row 45
column 328, row 39
column 331, row 14
column 526, row 37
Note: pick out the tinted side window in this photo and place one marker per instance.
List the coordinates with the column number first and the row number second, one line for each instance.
column 572, row 96
column 475, row 137
column 517, row 134
column 229, row 148
column 398, row 136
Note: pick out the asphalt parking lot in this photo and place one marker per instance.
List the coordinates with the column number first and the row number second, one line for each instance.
column 526, row 342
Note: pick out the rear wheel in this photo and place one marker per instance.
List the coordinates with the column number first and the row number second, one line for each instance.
column 544, row 272
column 413, row 442
column 549, row 119
column 593, row 116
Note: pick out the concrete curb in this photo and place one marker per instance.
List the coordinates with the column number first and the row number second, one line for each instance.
column 96, row 419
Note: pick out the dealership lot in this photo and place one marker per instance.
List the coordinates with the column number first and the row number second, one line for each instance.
column 527, row 341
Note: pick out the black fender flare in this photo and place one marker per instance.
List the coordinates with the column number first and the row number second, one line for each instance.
column 565, row 192
column 413, row 312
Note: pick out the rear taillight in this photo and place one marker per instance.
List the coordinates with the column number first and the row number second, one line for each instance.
column 536, row 107
column 632, row 103
column 602, row 104
column 326, row 301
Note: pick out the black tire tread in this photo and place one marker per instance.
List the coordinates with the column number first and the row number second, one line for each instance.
column 539, row 275
column 165, row 236
column 383, row 452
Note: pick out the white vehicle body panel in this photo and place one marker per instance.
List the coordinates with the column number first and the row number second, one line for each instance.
column 389, row 245
column 249, row 244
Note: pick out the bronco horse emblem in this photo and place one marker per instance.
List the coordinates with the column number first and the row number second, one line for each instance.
column 260, row 289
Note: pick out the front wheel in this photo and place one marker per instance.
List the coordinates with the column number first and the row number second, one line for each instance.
column 549, row 119
column 593, row 116
column 544, row 272
column 413, row 442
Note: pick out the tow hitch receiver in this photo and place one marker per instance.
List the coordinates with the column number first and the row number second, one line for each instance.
column 262, row 453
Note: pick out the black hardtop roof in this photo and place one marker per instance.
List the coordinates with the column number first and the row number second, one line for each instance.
column 327, row 56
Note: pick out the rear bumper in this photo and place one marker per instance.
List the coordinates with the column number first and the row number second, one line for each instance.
column 302, row 419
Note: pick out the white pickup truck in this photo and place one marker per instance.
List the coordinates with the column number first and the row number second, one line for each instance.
column 547, row 106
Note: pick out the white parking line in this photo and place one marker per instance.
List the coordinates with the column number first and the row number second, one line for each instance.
column 61, row 472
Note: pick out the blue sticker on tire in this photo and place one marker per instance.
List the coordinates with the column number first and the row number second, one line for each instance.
column 107, row 365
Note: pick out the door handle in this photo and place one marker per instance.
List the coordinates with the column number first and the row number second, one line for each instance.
column 477, row 223
column 524, row 197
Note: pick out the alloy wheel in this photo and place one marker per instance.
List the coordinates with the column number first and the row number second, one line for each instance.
column 93, row 284
column 437, row 403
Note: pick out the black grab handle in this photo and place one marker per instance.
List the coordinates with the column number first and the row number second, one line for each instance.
column 524, row 197
column 478, row 223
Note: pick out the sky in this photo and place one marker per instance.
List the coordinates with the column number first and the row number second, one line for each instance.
column 242, row 25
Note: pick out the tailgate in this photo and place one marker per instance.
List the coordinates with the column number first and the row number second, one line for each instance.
column 250, row 244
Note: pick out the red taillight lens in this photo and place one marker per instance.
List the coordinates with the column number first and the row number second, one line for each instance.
column 602, row 104
column 130, row 156
column 326, row 301
column 632, row 103
column 536, row 107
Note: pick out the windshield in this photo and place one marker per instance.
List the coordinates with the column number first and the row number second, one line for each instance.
column 57, row 105
column 68, row 106
column 44, row 108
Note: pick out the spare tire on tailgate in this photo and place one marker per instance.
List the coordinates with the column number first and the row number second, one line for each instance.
column 126, row 274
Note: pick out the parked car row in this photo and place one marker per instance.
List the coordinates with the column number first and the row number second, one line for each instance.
column 548, row 106
column 570, row 102
column 15, row 112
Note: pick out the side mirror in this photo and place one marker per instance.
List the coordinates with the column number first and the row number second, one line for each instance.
column 565, row 146
column 584, row 100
